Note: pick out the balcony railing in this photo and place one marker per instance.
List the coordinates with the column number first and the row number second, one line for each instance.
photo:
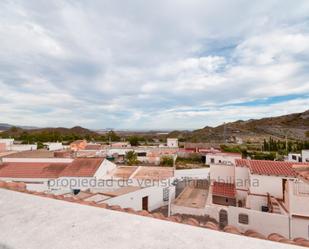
column 301, row 189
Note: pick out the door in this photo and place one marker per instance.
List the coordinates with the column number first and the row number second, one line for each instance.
column 145, row 203
column 223, row 218
column 283, row 188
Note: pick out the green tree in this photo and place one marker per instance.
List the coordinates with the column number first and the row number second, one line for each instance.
column 131, row 158
column 134, row 140
column 167, row 161
column 113, row 136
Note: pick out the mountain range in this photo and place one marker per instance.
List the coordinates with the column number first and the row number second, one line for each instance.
column 293, row 126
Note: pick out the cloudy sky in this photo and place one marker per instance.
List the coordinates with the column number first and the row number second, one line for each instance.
column 171, row 64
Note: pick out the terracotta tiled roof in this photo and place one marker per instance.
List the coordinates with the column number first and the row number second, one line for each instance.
column 82, row 167
column 78, row 142
column 31, row 170
column 123, row 172
column 264, row 167
column 93, row 147
column 304, row 175
column 224, row 189
column 302, row 171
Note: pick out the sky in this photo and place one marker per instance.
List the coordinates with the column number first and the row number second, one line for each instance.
column 163, row 64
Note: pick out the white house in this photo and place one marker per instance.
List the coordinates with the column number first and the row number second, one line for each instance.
column 221, row 158
column 36, row 175
column 294, row 157
column 7, row 143
column 266, row 196
column 23, row 147
column 296, row 201
column 137, row 198
column 54, row 146
column 172, row 142
column 54, row 174
column 10, row 146
column 305, row 156
column 139, row 187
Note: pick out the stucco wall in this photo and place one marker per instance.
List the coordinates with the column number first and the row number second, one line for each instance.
column 300, row 227
column 105, row 167
column 242, row 178
column 222, row 173
column 134, row 199
column 256, row 202
column 265, row 223
column 219, row 158
column 175, row 209
column 305, row 155
column 267, row 184
column 33, row 184
column 202, row 173
column 23, row 147
column 298, row 198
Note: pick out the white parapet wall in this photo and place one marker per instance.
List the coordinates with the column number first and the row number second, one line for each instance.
column 262, row 222
column 23, row 147
column 55, row 223
column 175, row 209
column 222, row 173
column 202, row 173
column 134, row 199
column 300, row 227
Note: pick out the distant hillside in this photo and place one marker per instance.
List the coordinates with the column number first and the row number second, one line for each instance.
column 60, row 130
column 5, row 127
column 294, row 126
column 51, row 134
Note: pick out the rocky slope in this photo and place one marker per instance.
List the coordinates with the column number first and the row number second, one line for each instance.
column 295, row 126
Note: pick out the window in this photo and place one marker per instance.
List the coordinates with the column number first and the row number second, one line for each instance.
column 141, row 154
column 243, row 219
column 294, row 157
column 212, row 160
column 166, row 194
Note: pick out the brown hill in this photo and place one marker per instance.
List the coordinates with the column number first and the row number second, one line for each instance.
column 294, row 126
column 77, row 130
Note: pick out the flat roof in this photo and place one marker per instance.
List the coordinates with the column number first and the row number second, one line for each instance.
column 143, row 172
column 154, row 173
column 192, row 197
column 58, row 224
column 122, row 191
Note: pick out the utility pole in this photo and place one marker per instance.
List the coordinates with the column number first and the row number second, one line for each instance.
column 286, row 142
column 224, row 133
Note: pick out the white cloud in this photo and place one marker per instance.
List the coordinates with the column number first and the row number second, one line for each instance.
column 139, row 64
